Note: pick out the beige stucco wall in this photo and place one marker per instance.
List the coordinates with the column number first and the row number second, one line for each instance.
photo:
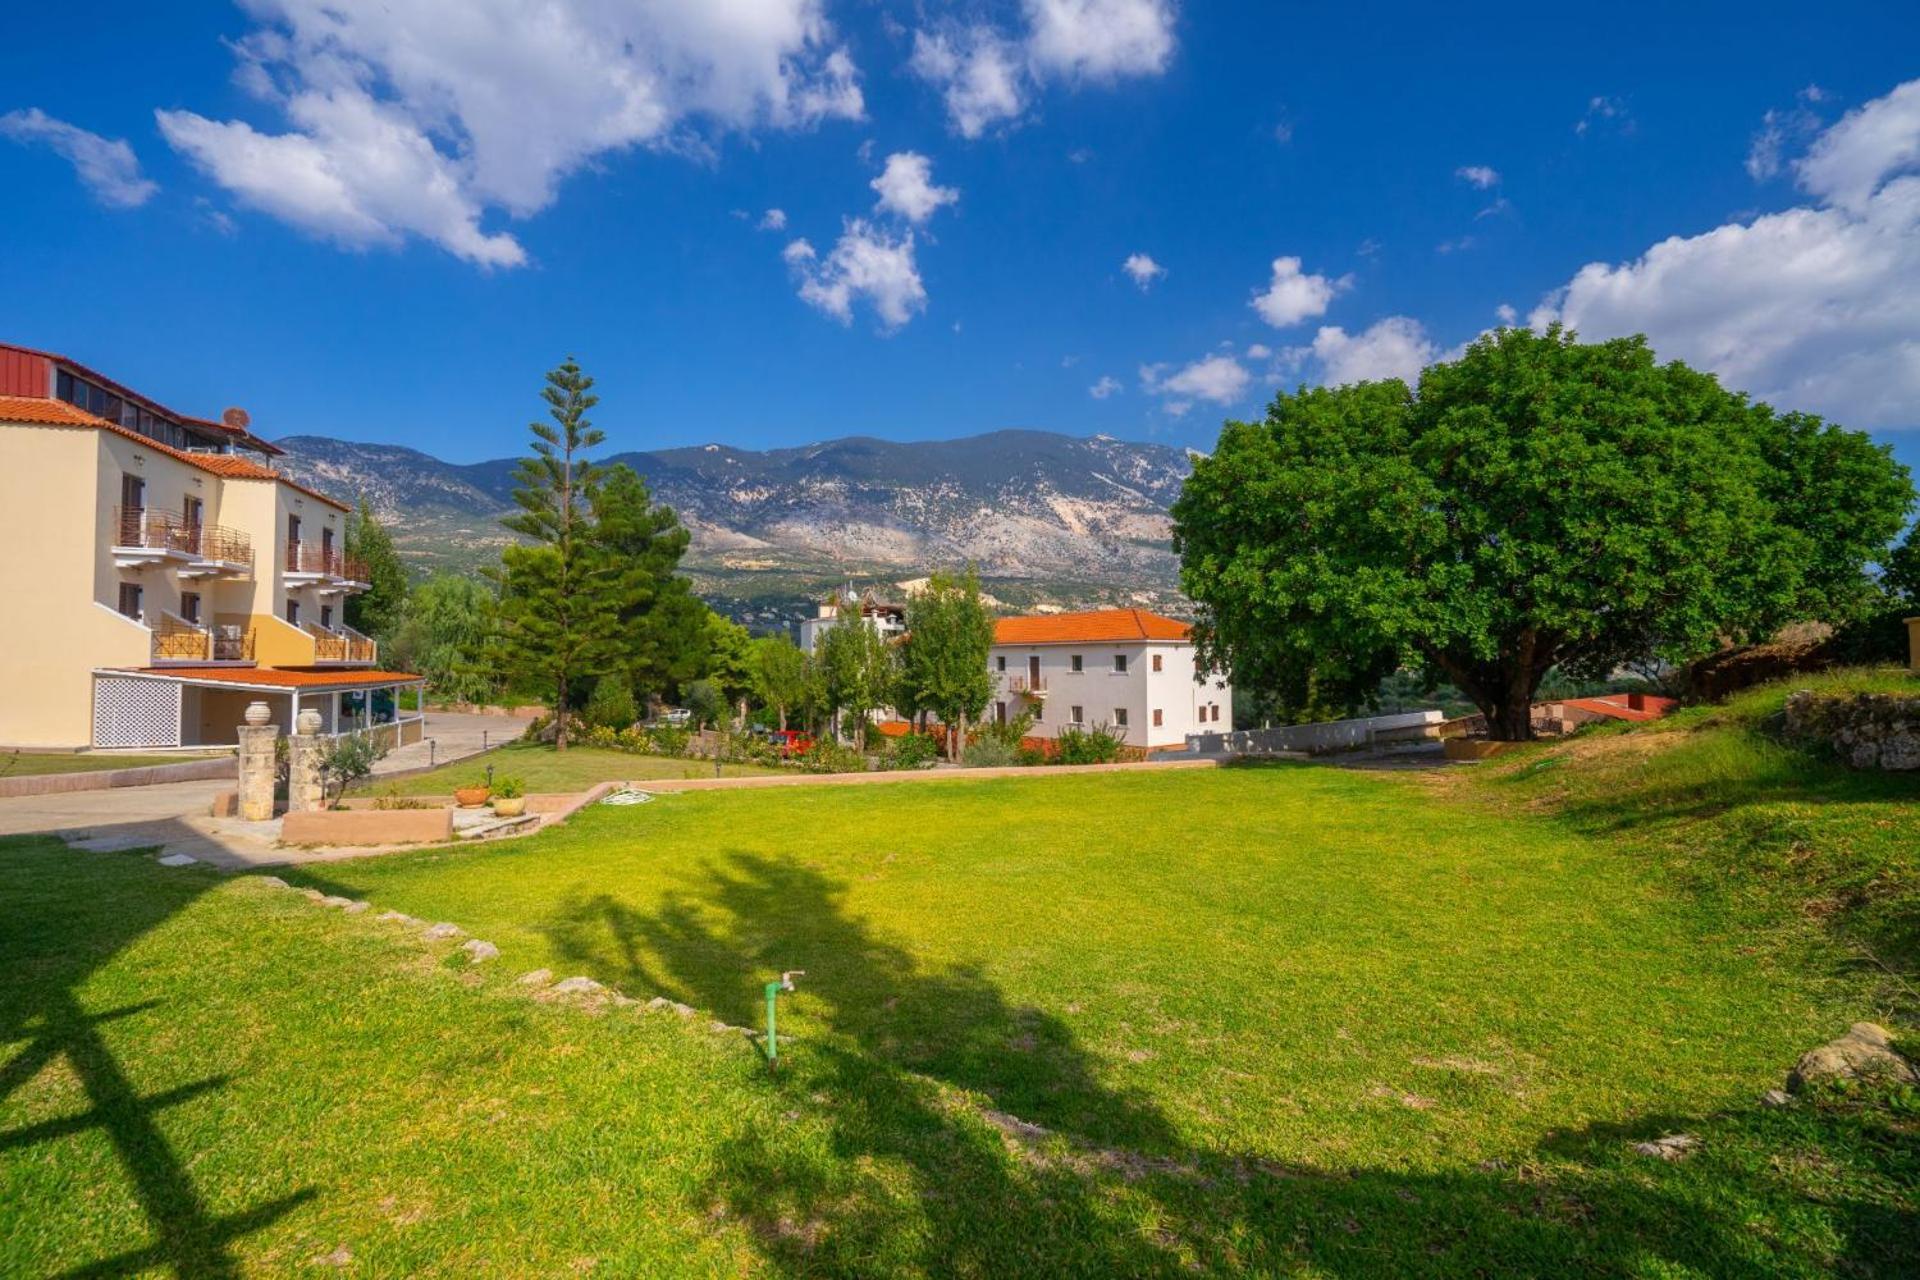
column 54, row 523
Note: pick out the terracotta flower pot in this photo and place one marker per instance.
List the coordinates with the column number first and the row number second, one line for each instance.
column 471, row 797
column 503, row 807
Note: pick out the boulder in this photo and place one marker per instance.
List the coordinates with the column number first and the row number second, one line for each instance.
column 357, row 906
column 577, row 987
column 1866, row 1052
column 1675, row 1146
column 536, row 978
column 397, row 917
column 335, row 900
column 478, row 950
column 436, row 932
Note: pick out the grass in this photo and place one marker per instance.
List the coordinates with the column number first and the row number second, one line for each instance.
column 27, row 765
column 1282, row 1020
column 541, row 768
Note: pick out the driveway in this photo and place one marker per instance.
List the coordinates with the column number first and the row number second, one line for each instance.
column 451, row 736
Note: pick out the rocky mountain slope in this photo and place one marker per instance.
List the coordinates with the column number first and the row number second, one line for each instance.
column 1048, row 518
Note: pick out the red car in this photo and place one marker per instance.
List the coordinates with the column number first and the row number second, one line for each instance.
column 790, row 742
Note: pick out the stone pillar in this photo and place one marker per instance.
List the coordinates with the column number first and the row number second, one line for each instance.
column 306, row 791
column 1913, row 644
column 257, row 742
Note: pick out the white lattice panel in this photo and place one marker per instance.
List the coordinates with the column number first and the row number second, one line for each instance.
column 128, row 712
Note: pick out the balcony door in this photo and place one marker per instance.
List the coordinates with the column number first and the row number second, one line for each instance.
column 1033, row 671
column 293, row 543
column 133, row 505
column 193, row 512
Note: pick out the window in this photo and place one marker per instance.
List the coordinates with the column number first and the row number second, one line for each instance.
column 1000, row 662
column 1119, row 717
column 193, row 511
column 1156, row 717
column 1119, row 664
column 1076, row 663
column 1079, row 716
column 190, row 606
column 326, row 616
column 130, row 599
column 1156, row 662
column 999, row 713
column 1216, row 713
column 293, row 612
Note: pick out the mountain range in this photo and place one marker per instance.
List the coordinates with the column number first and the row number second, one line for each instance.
column 1050, row 520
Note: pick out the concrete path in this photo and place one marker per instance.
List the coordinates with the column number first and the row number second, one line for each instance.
column 451, row 736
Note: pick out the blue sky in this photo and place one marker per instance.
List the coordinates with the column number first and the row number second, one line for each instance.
column 384, row 220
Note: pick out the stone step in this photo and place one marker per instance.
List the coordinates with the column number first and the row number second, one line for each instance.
column 496, row 827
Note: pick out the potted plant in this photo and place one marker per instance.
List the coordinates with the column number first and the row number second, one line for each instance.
column 473, row 795
column 509, row 798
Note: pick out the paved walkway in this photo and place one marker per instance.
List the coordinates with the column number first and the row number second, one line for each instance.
column 450, row 736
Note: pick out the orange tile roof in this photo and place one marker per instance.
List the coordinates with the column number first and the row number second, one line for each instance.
column 58, row 413
column 278, row 677
column 1092, row 627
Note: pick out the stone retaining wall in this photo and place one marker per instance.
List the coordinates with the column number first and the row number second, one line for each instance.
column 1866, row 730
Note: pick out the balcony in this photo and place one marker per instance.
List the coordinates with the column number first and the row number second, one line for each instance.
column 325, row 568
column 1027, row 687
column 177, row 641
column 340, row 645
column 144, row 537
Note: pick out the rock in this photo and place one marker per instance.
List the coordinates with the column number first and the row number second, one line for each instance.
column 1776, row 1098
column 312, row 895
column 537, row 978
column 272, row 882
column 1675, row 1146
column 684, row 1010
column 341, row 1257
column 658, row 1002
column 178, row 860
column 1866, row 1052
column 578, row 987
column 623, row 1001
column 480, row 951
column 436, row 932
column 397, row 917
column 335, row 900
column 357, row 906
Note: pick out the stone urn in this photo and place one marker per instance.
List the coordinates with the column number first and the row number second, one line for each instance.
column 258, row 713
column 509, row 806
column 471, row 797
column 308, row 723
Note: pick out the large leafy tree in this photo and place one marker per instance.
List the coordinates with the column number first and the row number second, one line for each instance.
column 1537, row 503
column 559, row 612
column 444, row 633
column 376, row 610
column 944, row 661
column 778, row 671
column 857, row 667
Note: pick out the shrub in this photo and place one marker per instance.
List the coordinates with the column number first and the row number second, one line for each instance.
column 349, row 760
column 509, row 788
column 989, row 753
column 1098, row 745
column 611, row 705
column 828, row 756
column 913, row 751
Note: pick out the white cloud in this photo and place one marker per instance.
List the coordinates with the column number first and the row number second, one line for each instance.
column 1259, row 351
column 107, row 166
column 1107, row 386
column 979, row 74
column 906, row 187
column 1143, row 270
column 1810, row 308
column 1100, row 39
column 1602, row 110
column 867, row 264
column 1478, row 175
column 419, row 118
column 1219, row 378
column 1293, row 296
column 774, row 220
column 987, row 75
column 1506, row 315
column 1396, row 347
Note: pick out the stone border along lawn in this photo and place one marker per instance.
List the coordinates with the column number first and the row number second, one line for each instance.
column 591, row 995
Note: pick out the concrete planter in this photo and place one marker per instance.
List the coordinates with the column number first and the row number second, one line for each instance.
column 506, row 807
column 367, row 826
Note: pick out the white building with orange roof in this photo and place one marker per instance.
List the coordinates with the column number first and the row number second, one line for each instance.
column 1132, row 671
column 160, row 575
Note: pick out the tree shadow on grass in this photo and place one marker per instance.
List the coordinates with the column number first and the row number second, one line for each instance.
column 939, row 1128
column 68, row 913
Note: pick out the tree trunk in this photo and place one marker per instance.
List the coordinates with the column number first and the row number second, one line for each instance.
column 1510, row 720
column 783, row 717
column 560, row 715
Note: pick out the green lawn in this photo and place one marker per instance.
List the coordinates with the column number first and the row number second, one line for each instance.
column 25, row 764
column 1284, row 1020
column 542, row 768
